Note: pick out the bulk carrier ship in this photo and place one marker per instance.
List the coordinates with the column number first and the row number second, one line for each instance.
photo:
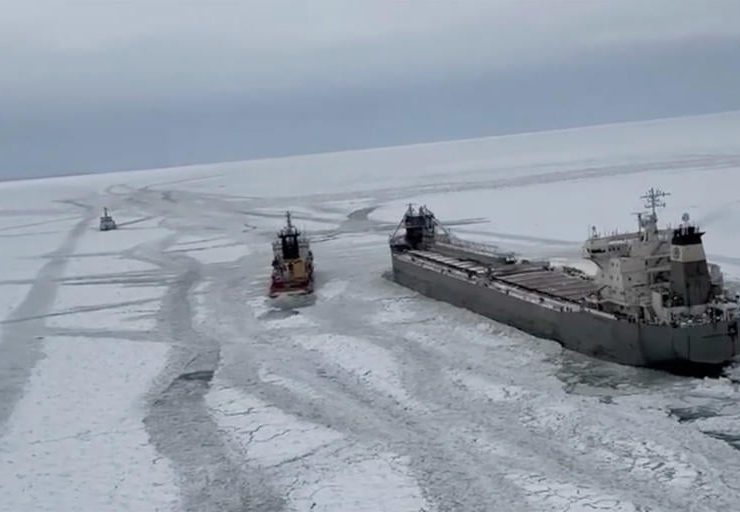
column 654, row 300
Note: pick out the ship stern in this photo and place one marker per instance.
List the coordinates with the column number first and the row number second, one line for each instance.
column 708, row 344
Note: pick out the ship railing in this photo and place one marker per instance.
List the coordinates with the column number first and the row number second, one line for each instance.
column 485, row 249
column 545, row 299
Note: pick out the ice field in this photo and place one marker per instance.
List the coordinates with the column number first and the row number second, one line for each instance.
column 144, row 369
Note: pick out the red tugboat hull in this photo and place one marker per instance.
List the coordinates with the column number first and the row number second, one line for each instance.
column 282, row 289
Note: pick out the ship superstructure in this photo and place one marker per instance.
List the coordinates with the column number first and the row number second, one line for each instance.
column 292, row 264
column 654, row 301
column 106, row 221
column 658, row 275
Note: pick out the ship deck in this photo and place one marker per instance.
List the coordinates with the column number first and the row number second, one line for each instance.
column 532, row 277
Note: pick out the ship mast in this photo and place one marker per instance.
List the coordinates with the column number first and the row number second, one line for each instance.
column 289, row 228
column 654, row 200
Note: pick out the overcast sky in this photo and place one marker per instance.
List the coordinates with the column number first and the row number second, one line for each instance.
column 96, row 85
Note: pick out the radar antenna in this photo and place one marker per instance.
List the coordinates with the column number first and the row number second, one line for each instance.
column 654, row 199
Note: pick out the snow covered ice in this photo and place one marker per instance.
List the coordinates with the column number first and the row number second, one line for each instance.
column 144, row 369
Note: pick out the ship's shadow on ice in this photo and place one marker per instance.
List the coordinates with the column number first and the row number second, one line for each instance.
column 278, row 313
column 388, row 276
column 700, row 412
column 286, row 305
column 585, row 376
column 580, row 372
column 689, row 414
column 202, row 376
column 731, row 439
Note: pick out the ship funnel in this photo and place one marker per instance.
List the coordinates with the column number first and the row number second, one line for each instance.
column 690, row 279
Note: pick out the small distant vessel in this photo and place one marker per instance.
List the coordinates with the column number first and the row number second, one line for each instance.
column 292, row 264
column 106, row 221
column 654, row 301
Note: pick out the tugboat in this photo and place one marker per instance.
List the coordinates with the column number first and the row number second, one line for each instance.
column 106, row 221
column 655, row 301
column 292, row 264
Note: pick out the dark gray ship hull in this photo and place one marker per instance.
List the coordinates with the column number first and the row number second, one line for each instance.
column 576, row 328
